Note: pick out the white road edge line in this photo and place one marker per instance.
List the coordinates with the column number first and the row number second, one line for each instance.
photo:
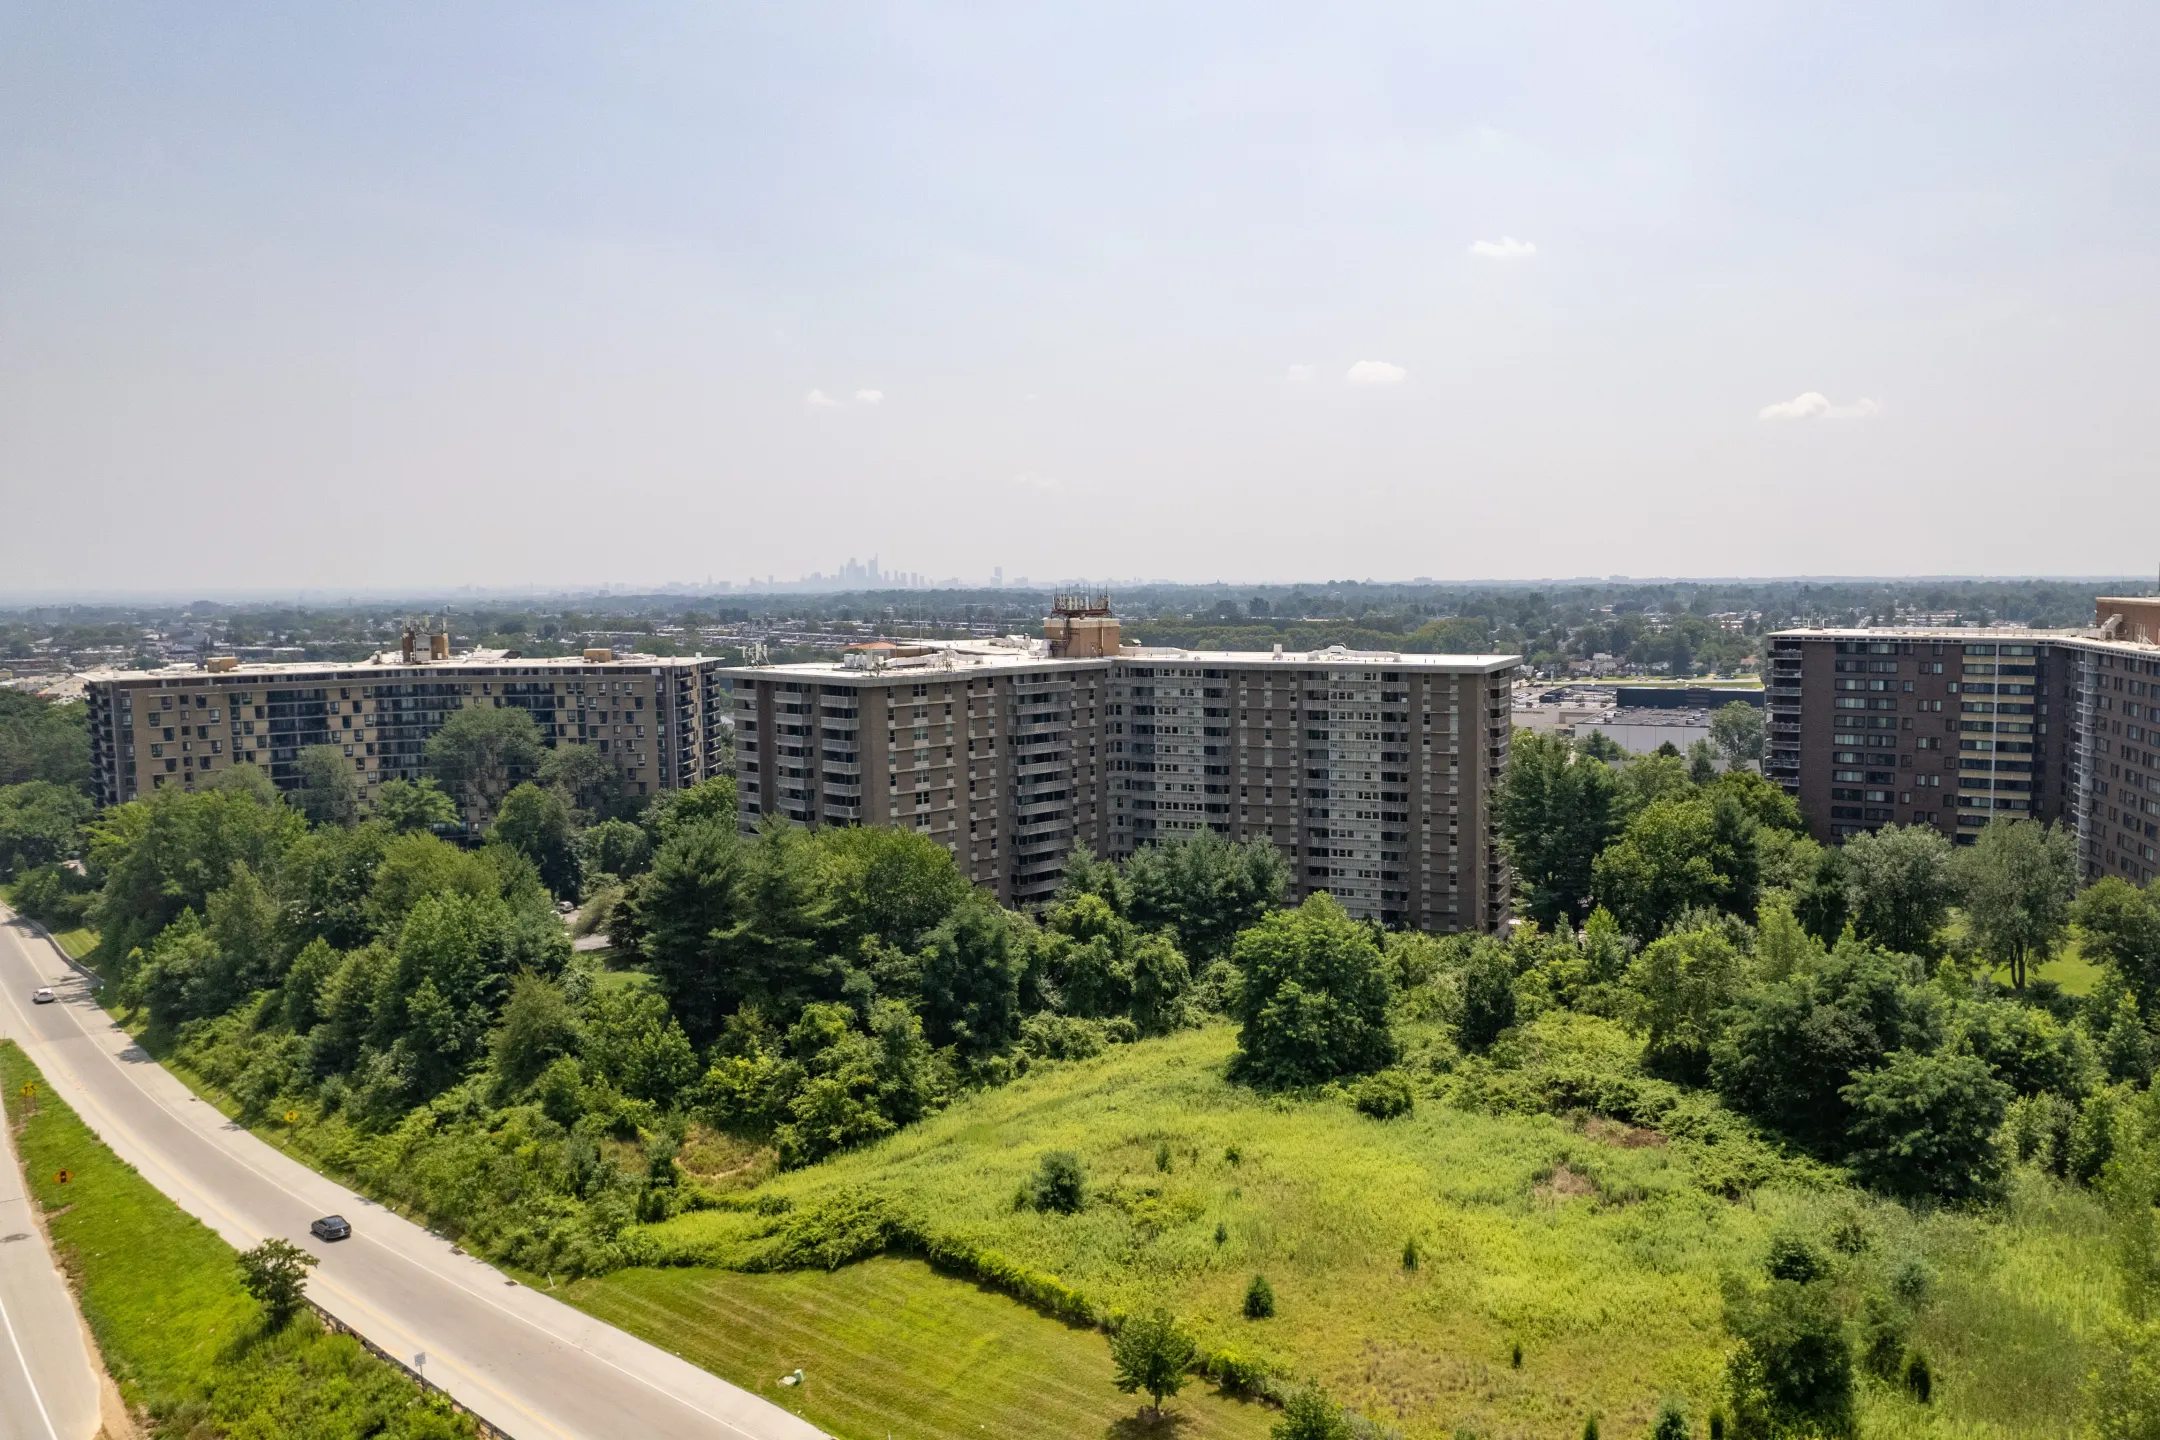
column 477, row 1294
column 30, row 1379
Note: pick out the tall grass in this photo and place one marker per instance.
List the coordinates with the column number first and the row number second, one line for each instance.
column 1593, row 1246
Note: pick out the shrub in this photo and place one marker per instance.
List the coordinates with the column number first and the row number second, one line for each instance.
column 1671, row 1423
column 1059, row 1184
column 275, row 1273
column 1259, row 1299
column 1919, row 1377
column 1793, row 1258
column 1236, row 1373
column 1309, row 1414
column 1384, row 1096
column 1882, row 1338
column 1411, row 1255
column 1793, row 1368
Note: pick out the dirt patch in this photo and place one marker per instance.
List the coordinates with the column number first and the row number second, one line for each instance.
column 1564, row 1183
column 1622, row 1134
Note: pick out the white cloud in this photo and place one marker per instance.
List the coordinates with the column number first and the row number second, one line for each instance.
column 1815, row 405
column 869, row 397
column 1029, row 480
column 1375, row 372
column 819, row 399
column 1507, row 247
column 1300, row 374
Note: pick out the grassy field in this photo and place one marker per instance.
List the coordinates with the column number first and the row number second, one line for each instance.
column 1589, row 1247
column 160, row 1290
column 890, row 1348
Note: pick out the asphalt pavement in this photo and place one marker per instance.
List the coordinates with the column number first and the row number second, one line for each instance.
column 48, row 1386
column 529, row 1364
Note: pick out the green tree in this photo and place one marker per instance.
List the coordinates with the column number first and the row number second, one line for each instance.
column 1902, row 883
column 1675, row 856
column 538, row 1026
column 535, row 822
column 160, row 856
column 889, row 884
column 451, row 976
column 480, row 754
column 323, row 880
column 588, row 779
column 275, row 1273
column 2016, row 883
column 1205, row 889
column 408, row 805
column 329, row 792
column 1925, row 1125
column 416, row 866
column 612, row 848
column 1683, row 984
column 1737, row 732
column 706, row 802
column 39, row 824
column 1314, row 999
column 1702, row 763
column 1150, row 1354
column 1488, row 994
column 684, row 916
column 971, row 970
column 44, row 740
column 1557, row 810
column 1790, row 1046
column 2119, row 925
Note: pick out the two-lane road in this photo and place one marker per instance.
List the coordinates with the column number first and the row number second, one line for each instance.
column 48, row 1387
column 532, row 1366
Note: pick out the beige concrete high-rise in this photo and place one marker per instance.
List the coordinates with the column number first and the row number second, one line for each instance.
column 656, row 718
column 1373, row 774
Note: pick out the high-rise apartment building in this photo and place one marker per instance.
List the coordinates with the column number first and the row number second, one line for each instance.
column 1372, row 774
column 657, row 718
column 1954, row 727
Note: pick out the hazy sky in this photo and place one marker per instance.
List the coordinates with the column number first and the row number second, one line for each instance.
column 403, row 294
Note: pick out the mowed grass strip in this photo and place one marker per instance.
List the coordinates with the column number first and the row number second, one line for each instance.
column 162, row 1294
column 891, row 1347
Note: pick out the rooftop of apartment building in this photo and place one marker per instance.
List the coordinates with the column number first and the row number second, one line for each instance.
column 393, row 659
column 1010, row 652
column 2131, row 622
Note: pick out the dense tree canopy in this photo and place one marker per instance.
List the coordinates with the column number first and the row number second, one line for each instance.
column 1313, row 1002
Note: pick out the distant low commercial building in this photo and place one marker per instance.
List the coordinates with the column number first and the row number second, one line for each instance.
column 1643, row 732
column 657, row 718
column 1373, row 774
column 1954, row 727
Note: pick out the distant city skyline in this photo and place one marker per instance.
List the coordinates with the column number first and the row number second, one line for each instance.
column 400, row 295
